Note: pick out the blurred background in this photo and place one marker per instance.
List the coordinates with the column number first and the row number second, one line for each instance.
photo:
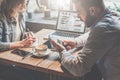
column 43, row 13
column 40, row 5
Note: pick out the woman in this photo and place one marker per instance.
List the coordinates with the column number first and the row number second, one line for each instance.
column 12, row 35
column 12, row 25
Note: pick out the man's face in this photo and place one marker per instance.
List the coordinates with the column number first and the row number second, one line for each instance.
column 81, row 12
column 85, row 15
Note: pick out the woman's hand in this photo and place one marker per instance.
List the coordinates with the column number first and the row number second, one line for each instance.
column 28, row 41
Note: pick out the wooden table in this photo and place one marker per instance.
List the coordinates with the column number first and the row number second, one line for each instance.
column 48, row 65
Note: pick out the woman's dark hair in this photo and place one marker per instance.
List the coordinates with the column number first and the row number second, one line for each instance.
column 8, row 5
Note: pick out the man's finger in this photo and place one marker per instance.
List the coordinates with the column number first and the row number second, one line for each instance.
column 68, row 47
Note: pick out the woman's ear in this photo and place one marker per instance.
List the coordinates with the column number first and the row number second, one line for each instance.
column 19, row 5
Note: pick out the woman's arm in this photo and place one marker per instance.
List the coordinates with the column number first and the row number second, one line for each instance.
column 3, row 45
column 24, row 43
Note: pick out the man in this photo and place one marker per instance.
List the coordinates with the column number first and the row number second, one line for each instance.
column 103, row 43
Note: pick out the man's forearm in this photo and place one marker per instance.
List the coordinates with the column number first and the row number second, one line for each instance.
column 81, row 41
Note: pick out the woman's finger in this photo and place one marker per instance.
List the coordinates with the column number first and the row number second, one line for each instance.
column 27, row 35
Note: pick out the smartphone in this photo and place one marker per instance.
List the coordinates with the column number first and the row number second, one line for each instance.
column 49, row 44
column 20, row 52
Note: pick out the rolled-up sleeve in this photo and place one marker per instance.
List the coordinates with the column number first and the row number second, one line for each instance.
column 81, row 41
column 3, row 45
column 99, row 42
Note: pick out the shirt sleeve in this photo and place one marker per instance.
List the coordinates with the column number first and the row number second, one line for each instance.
column 98, row 44
column 81, row 41
column 3, row 45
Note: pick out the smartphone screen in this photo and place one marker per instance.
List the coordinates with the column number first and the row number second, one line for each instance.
column 20, row 52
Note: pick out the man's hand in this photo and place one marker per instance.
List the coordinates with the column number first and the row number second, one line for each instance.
column 69, row 44
column 58, row 46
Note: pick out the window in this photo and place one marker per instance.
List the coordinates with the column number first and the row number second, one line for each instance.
column 49, row 4
column 113, row 4
column 65, row 5
column 59, row 4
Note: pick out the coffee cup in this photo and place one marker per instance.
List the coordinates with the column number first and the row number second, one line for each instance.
column 41, row 49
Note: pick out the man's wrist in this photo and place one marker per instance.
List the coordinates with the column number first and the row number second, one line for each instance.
column 62, row 52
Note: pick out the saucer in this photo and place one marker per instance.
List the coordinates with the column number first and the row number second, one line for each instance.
column 42, row 54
